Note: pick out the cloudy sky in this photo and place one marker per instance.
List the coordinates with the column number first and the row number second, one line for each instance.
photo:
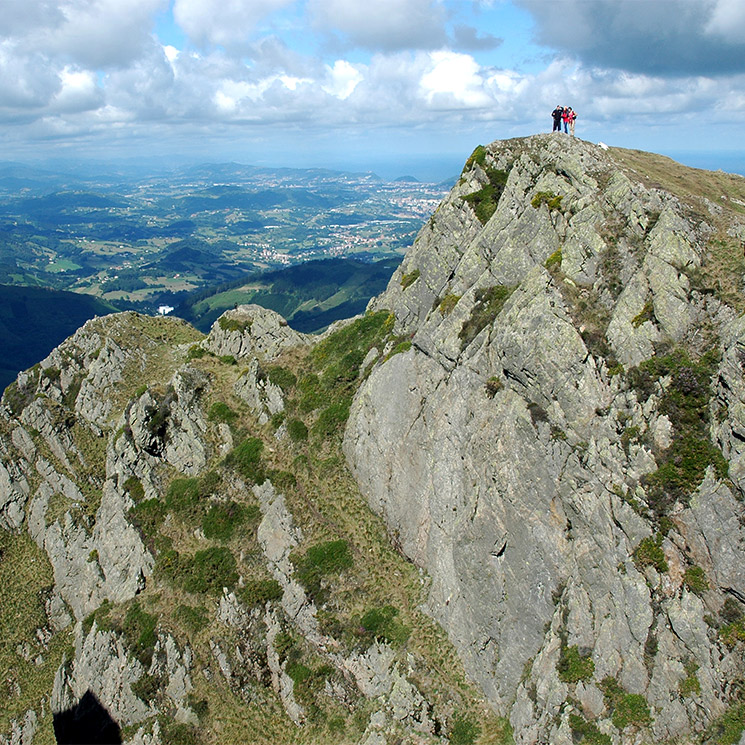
column 360, row 83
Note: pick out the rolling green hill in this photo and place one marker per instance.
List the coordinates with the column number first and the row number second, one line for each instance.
column 310, row 296
column 34, row 320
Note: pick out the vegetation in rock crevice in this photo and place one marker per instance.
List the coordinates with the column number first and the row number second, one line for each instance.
column 573, row 666
column 587, row 732
column 234, row 325
column 408, row 279
column 721, row 272
column 685, row 401
column 484, row 201
column 626, row 709
column 477, row 157
column 551, row 200
column 649, row 552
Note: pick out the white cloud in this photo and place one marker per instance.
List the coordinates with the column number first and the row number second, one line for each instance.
column 19, row 17
column 146, row 90
column 454, row 80
column 383, row 24
column 76, row 66
column 343, row 78
column 171, row 52
column 728, row 20
column 96, row 33
column 291, row 82
column 246, row 100
column 78, row 92
column 224, row 23
column 505, row 82
column 26, row 81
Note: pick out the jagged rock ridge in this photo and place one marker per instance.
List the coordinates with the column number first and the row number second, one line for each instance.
column 545, row 410
column 207, row 569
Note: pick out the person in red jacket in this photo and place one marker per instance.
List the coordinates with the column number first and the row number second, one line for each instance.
column 565, row 118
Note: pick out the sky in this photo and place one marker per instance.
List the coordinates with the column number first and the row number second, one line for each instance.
column 392, row 86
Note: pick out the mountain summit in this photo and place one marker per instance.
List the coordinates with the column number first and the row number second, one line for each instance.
column 503, row 505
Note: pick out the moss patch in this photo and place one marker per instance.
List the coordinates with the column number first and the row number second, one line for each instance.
column 646, row 314
column 408, row 279
column 695, row 580
column 484, row 201
column 321, row 561
column 447, row 304
column 574, row 666
column 233, row 324
column 649, row 553
column 551, row 200
column 382, row 623
column 728, row 728
column 587, row 732
column 685, row 401
column 627, row 709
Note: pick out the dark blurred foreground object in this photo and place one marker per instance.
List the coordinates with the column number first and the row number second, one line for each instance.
column 88, row 723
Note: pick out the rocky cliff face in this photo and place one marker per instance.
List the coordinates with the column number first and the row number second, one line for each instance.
column 503, row 506
column 553, row 448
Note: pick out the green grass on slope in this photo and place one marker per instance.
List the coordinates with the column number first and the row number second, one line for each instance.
column 27, row 667
column 310, row 296
column 723, row 266
column 661, row 172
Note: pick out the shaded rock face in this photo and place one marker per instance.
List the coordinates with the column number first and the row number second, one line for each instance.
column 88, row 721
column 100, row 669
column 514, row 461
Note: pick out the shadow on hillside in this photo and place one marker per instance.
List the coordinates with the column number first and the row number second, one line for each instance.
column 87, row 723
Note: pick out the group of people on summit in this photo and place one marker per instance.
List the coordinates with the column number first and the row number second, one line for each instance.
column 566, row 115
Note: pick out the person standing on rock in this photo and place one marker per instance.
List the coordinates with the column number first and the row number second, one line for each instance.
column 565, row 118
column 557, row 114
column 572, row 117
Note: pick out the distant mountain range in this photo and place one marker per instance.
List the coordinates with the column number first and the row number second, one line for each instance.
column 18, row 177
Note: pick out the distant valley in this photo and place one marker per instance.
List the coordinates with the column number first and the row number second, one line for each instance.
column 310, row 296
column 141, row 241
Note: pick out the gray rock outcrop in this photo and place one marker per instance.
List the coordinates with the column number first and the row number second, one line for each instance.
column 251, row 331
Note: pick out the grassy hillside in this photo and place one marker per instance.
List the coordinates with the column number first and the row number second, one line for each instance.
column 34, row 320
column 310, row 296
